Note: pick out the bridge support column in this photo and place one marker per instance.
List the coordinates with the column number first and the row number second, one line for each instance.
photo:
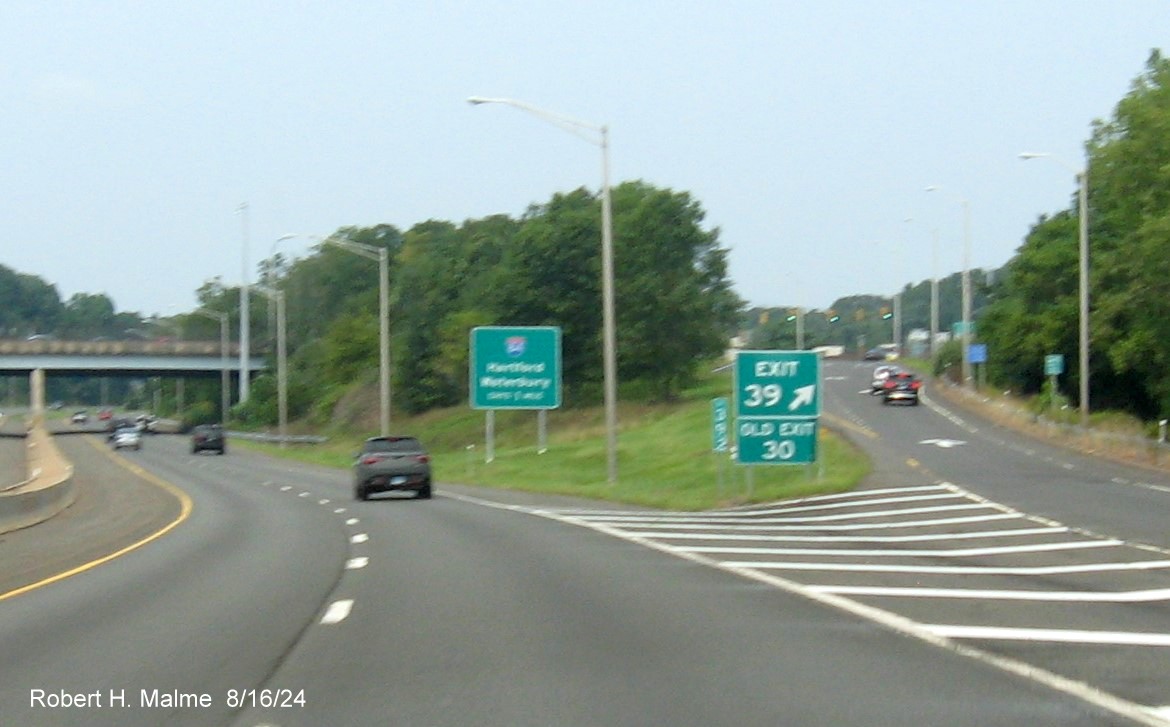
column 36, row 391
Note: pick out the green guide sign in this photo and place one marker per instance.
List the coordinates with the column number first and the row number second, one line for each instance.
column 515, row 367
column 777, row 406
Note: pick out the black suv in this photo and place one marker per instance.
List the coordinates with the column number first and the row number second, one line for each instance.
column 392, row 463
column 208, row 436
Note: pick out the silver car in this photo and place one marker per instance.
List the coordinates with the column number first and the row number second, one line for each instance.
column 127, row 438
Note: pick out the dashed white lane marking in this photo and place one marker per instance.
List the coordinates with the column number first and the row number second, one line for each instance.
column 352, row 521
column 337, row 611
column 285, row 488
column 355, row 563
column 359, row 538
column 304, row 494
column 339, row 511
column 1066, row 636
column 323, row 501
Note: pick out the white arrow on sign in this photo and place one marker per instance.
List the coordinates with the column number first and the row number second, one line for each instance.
column 944, row 443
column 804, row 395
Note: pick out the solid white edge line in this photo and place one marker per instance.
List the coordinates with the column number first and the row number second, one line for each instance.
column 1090, row 694
column 337, row 612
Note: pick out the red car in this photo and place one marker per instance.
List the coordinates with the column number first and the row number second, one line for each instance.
column 901, row 387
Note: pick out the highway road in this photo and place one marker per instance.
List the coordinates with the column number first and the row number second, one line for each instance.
column 272, row 598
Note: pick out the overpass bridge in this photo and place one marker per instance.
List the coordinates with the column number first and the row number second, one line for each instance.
column 179, row 360
column 124, row 358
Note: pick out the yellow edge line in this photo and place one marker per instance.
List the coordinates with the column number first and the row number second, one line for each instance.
column 846, row 424
column 185, row 508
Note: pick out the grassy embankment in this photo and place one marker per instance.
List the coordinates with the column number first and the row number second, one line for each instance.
column 664, row 454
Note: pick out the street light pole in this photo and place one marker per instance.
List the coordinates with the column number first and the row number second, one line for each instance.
column 1082, row 176
column 245, row 308
column 597, row 135
column 965, row 335
column 934, row 297
column 281, row 361
column 382, row 256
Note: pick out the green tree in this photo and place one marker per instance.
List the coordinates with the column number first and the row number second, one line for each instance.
column 28, row 304
column 87, row 316
column 1129, row 206
column 676, row 306
column 1035, row 307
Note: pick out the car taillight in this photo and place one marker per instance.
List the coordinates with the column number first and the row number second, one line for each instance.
column 371, row 460
column 915, row 385
column 889, row 383
column 423, row 458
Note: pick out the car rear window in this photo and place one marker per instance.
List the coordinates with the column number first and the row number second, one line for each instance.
column 394, row 444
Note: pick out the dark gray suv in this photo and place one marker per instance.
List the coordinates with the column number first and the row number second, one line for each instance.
column 392, row 463
column 209, row 437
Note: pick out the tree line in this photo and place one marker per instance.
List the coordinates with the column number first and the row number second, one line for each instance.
column 1033, row 309
column 675, row 310
column 676, row 306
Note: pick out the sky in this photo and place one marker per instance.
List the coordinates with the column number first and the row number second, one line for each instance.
column 132, row 132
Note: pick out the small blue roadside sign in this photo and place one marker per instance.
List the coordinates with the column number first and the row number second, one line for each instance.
column 977, row 353
column 1054, row 364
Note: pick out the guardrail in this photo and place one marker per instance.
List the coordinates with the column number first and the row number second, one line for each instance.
column 115, row 348
column 277, row 439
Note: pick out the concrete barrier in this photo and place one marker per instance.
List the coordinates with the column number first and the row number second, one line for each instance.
column 48, row 489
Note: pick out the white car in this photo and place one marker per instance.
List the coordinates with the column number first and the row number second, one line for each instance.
column 127, row 437
column 880, row 374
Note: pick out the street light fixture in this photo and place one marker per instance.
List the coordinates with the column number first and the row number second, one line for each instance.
column 281, row 361
column 597, row 135
column 224, row 375
column 965, row 335
column 382, row 256
column 1082, row 176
